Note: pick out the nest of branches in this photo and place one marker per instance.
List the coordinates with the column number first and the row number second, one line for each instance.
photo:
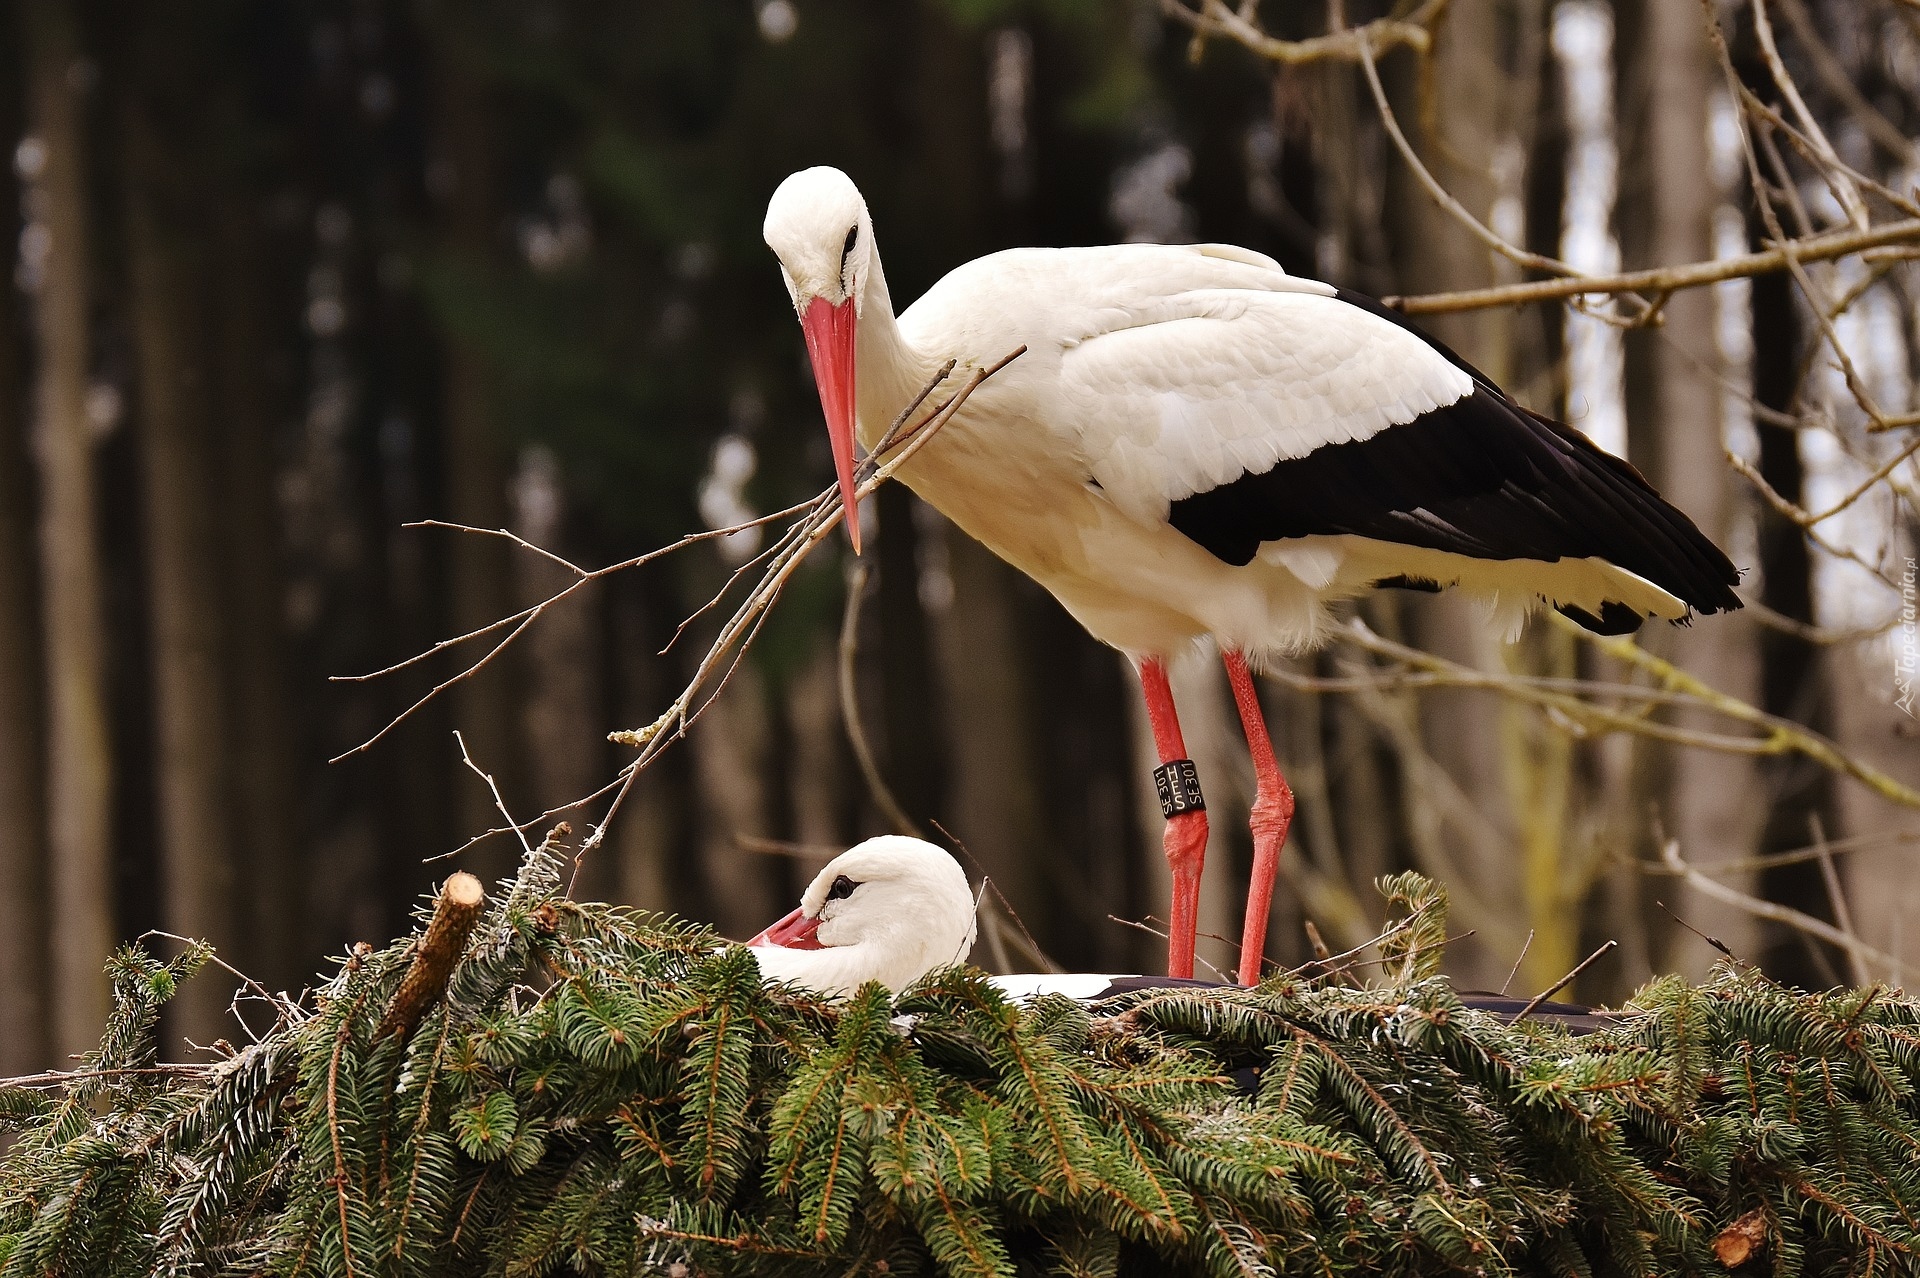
column 583, row 1089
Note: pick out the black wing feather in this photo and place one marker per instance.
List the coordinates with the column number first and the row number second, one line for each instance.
column 1480, row 477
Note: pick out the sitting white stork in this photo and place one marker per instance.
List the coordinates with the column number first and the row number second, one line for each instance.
column 890, row 910
column 894, row 909
column 1198, row 444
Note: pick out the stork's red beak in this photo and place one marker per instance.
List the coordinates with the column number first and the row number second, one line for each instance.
column 829, row 331
column 794, row 932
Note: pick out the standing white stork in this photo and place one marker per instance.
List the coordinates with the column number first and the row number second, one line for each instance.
column 1198, row 444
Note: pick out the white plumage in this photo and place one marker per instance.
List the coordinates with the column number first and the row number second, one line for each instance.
column 1196, row 444
column 890, row 910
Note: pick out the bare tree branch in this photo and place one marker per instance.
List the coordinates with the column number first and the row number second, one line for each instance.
column 1777, row 913
column 1666, row 279
column 1216, row 18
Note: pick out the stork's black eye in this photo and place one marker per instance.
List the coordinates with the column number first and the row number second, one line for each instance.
column 847, row 248
column 842, row 888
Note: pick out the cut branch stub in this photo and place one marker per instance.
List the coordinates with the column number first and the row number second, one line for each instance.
column 1737, row 1243
column 454, row 915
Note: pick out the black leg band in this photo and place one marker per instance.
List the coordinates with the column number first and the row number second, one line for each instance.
column 1179, row 785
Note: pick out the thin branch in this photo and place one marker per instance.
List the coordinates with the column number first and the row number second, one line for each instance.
column 787, row 848
column 505, row 533
column 1775, row 912
column 1585, row 717
column 1837, row 896
column 1871, row 842
column 1714, row 941
column 1394, row 929
column 1215, row 18
column 1792, row 512
column 533, row 609
column 877, row 788
column 1439, row 194
column 1668, row 279
column 1806, row 632
column 1154, row 931
column 1783, row 735
column 819, row 517
column 195, row 1070
column 444, row 684
column 1842, row 186
column 1508, row 983
column 1566, row 980
column 1041, row 958
column 494, row 789
column 823, row 515
column 1837, row 82
column 1790, row 249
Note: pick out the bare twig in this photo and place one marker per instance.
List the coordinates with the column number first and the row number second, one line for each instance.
column 1439, row 194
column 1566, row 980
column 1806, row 632
column 1714, row 941
column 1215, row 18
column 1777, row 735
column 1868, row 842
column 1774, row 912
column 526, row 616
column 1508, row 983
column 1354, row 965
column 1040, row 958
column 494, row 789
column 1394, row 929
column 1843, row 188
column 287, row 1006
column 877, row 788
column 1668, row 279
column 1783, row 736
column 68, row 1077
column 786, row 847
column 1154, row 931
column 1842, row 914
column 818, row 518
column 823, row 515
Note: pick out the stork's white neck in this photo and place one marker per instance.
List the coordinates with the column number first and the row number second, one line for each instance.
column 888, row 369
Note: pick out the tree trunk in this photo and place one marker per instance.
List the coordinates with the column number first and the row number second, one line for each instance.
column 733, row 763
column 818, row 783
column 912, row 756
column 79, row 746
column 993, row 787
column 1459, row 739
column 480, row 577
column 1793, row 682
column 260, row 720
column 1674, row 430
column 648, row 841
column 185, row 558
column 25, row 1041
column 561, row 719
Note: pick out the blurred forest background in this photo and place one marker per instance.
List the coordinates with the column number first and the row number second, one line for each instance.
column 289, row 275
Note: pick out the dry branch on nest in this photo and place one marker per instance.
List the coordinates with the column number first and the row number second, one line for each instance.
column 455, row 912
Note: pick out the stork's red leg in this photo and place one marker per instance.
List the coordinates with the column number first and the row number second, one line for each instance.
column 1272, row 813
column 1186, row 835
